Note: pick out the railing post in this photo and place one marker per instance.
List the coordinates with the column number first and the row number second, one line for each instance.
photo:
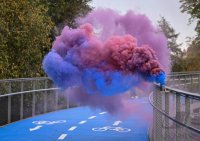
column 22, row 102
column 178, row 111
column 173, row 79
column 56, row 99
column 9, row 103
column 191, row 83
column 187, row 116
column 45, row 97
column 166, row 118
column 185, row 83
column 33, row 100
column 154, row 114
column 159, row 134
column 68, row 101
column 179, row 79
column 199, row 81
column 67, row 95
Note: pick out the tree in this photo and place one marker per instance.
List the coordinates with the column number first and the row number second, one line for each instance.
column 171, row 35
column 192, row 7
column 25, row 28
column 64, row 12
column 192, row 56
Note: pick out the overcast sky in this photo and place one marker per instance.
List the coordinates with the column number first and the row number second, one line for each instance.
column 154, row 9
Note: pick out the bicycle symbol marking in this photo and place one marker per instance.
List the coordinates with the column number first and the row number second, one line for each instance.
column 106, row 128
column 43, row 122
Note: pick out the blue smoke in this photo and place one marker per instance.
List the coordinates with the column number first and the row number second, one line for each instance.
column 160, row 78
column 108, row 83
column 63, row 73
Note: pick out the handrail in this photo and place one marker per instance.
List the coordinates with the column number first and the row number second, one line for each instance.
column 184, row 74
column 180, row 92
column 34, row 78
column 183, row 93
column 180, row 123
column 18, row 79
column 25, row 92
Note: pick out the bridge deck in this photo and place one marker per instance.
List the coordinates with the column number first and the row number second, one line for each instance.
column 78, row 124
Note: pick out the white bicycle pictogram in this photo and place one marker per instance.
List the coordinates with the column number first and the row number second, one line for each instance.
column 106, row 128
column 44, row 122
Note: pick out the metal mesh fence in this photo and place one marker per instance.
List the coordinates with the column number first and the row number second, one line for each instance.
column 27, row 97
column 187, row 82
column 176, row 116
column 24, row 84
column 21, row 105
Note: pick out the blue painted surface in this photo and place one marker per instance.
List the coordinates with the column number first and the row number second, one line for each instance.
column 20, row 131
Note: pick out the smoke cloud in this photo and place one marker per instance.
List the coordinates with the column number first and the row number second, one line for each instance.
column 107, row 55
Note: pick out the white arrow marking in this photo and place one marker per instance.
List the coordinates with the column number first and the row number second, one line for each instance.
column 91, row 117
column 116, row 123
column 72, row 128
column 62, row 137
column 35, row 128
column 102, row 113
column 82, row 122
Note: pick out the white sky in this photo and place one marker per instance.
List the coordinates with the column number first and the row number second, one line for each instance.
column 154, row 9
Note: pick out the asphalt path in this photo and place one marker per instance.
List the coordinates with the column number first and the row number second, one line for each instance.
column 79, row 124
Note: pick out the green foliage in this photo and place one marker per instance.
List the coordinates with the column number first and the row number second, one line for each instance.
column 171, row 35
column 24, row 35
column 64, row 12
column 27, row 28
column 192, row 7
column 193, row 56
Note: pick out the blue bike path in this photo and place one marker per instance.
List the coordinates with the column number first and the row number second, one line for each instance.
column 78, row 124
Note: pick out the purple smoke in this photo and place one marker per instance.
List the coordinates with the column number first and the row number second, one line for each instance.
column 107, row 56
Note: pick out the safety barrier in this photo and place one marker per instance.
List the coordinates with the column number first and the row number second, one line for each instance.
column 24, row 84
column 176, row 113
column 188, row 82
column 29, row 97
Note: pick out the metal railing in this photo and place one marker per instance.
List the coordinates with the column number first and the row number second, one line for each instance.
column 184, row 72
column 24, row 84
column 40, row 97
column 188, row 82
column 176, row 113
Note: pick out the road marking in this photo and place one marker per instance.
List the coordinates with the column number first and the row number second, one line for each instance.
column 62, row 137
column 35, row 128
column 107, row 128
column 102, row 113
column 72, row 128
column 43, row 122
column 82, row 122
column 116, row 123
column 91, row 117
